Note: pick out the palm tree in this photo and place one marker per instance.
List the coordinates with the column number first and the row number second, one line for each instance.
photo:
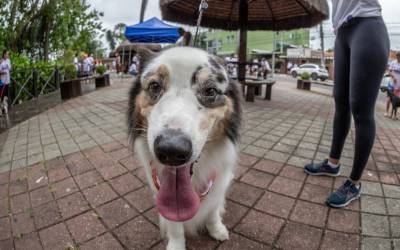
column 143, row 9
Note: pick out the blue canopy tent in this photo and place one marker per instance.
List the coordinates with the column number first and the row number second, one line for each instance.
column 152, row 31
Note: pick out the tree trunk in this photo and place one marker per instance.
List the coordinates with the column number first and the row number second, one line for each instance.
column 11, row 35
column 46, row 44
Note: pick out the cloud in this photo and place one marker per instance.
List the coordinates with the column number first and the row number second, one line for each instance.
column 128, row 11
column 124, row 11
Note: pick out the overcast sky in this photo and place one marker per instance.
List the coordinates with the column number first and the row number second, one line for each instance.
column 127, row 11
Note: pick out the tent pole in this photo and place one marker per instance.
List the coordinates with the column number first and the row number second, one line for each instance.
column 243, row 18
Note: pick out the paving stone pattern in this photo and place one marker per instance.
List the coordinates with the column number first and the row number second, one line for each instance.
column 69, row 181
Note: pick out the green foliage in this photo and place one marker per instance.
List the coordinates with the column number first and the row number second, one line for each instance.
column 305, row 76
column 101, row 69
column 45, row 28
column 22, row 73
column 70, row 72
column 116, row 36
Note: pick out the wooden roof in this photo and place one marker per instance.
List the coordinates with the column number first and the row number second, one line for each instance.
column 263, row 14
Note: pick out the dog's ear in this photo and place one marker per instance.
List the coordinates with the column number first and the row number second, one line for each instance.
column 220, row 60
column 145, row 56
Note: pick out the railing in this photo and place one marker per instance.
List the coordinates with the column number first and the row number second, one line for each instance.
column 27, row 84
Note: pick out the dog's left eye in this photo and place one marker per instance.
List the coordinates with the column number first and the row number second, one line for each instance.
column 155, row 88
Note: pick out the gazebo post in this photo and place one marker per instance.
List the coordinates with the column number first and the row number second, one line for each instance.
column 243, row 18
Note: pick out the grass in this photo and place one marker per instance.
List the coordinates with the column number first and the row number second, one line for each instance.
column 262, row 40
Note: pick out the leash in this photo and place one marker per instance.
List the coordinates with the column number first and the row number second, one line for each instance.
column 202, row 7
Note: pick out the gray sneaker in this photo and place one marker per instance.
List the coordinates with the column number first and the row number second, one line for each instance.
column 345, row 194
column 322, row 168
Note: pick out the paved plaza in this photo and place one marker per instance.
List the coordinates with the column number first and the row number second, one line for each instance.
column 68, row 180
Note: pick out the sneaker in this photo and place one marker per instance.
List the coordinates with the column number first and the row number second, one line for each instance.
column 344, row 195
column 322, row 168
column 386, row 114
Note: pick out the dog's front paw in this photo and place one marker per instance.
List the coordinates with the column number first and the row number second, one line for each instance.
column 174, row 245
column 219, row 232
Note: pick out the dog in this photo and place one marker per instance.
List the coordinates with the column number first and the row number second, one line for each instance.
column 394, row 100
column 184, row 119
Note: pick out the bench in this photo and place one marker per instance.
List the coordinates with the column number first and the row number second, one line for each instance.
column 254, row 87
column 306, row 84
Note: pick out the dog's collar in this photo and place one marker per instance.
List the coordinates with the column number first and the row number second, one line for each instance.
column 202, row 195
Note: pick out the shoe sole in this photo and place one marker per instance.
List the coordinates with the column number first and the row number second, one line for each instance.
column 322, row 173
column 345, row 204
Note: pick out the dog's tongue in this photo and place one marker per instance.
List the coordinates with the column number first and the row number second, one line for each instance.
column 176, row 199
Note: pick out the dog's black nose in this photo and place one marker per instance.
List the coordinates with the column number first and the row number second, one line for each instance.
column 173, row 148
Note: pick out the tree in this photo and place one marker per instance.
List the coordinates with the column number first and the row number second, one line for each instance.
column 41, row 28
column 110, row 39
column 116, row 36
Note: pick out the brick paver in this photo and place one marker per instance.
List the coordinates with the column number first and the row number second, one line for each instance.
column 68, row 180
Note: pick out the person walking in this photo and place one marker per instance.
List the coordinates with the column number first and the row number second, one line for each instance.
column 361, row 55
column 5, row 68
column 394, row 82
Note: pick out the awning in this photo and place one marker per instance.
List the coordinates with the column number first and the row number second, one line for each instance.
column 152, row 31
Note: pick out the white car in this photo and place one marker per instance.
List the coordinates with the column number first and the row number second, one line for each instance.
column 314, row 70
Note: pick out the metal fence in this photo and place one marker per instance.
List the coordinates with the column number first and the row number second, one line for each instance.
column 27, row 84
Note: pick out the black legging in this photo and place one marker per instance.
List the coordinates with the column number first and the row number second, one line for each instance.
column 361, row 55
column 4, row 91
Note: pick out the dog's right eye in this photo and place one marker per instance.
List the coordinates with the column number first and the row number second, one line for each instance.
column 155, row 88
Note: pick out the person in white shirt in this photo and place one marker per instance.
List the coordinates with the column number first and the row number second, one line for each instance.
column 133, row 69
column 91, row 63
column 5, row 68
column 265, row 68
column 86, row 65
column 289, row 66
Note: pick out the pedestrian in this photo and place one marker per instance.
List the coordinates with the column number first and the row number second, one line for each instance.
column 394, row 82
column 265, row 68
column 90, row 61
column 289, row 66
column 361, row 55
column 254, row 67
column 5, row 68
column 133, row 69
column 86, row 65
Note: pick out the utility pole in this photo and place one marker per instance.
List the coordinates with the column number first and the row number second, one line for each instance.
column 321, row 34
column 143, row 10
column 273, row 55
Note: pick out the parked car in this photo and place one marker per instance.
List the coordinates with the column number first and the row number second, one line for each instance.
column 314, row 70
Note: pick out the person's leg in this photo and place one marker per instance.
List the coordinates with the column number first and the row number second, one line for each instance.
column 369, row 46
column 387, row 106
column 342, row 118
